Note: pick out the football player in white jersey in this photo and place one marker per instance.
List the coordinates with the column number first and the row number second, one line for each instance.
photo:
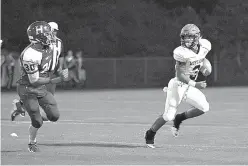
column 55, row 28
column 189, row 59
column 57, row 45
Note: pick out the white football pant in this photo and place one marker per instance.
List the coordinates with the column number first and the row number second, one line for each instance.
column 178, row 92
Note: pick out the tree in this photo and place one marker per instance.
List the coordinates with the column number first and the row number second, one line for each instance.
column 227, row 28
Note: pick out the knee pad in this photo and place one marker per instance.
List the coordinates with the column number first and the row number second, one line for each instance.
column 169, row 115
column 170, row 110
column 37, row 123
column 205, row 107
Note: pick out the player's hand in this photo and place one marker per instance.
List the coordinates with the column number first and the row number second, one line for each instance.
column 201, row 85
column 64, row 75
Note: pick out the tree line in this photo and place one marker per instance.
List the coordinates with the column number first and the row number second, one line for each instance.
column 130, row 28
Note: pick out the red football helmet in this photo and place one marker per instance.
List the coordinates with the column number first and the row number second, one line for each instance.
column 40, row 32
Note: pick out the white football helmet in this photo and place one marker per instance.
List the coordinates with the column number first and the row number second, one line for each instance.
column 190, row 35
column 54, row 26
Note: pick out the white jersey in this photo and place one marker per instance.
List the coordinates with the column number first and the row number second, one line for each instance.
column 193, row 60
column 178, row 91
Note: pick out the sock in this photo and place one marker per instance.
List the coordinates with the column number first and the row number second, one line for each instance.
column 32, row 134
column 158, row 124
column 151, row 133
column 194, row 112
column 181, row 117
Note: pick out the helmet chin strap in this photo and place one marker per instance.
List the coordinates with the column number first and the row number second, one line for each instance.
column 195, row 48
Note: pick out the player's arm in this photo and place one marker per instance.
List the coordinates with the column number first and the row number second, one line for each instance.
column 60, row 65
column 61, row 57
column 32, row 71
column 58, row 68
column 36, row 80
column 185, row 78
column 180, row 66
column 180, row 70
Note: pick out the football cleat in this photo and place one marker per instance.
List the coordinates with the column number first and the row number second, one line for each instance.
column 175, row 127
column 17, row 110
column 175, row 131
column 149, row 137
column 32, row 147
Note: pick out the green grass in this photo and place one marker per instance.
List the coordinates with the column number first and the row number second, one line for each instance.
column 107, row 127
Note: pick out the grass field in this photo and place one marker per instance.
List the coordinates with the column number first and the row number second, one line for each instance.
column 107, row 127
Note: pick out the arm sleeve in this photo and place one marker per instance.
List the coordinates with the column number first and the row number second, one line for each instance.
column 62, row 49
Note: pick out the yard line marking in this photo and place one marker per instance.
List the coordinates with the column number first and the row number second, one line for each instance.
column 119, row 101
column 76, row 122
column 49, row 142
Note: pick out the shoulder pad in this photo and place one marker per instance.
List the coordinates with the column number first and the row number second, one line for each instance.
column 30, row 60
column 205, row 43
column 179, row 54
column 32, row 55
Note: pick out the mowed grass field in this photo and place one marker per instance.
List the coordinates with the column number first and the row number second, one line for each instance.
column 108, row 126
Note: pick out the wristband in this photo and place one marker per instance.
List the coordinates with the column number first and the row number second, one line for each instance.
column 192, row 83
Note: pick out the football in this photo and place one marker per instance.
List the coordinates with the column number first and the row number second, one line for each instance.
column 206, row 68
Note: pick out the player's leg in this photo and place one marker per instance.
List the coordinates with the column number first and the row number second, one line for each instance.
column 175, row 93
column 18, row 109
column 51, row 88
column 200, row 105
column 49, row 105
column 31, row 104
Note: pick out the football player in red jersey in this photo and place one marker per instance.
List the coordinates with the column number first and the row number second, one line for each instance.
column 57, row 46
column 38, row 60
column 18, row 108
